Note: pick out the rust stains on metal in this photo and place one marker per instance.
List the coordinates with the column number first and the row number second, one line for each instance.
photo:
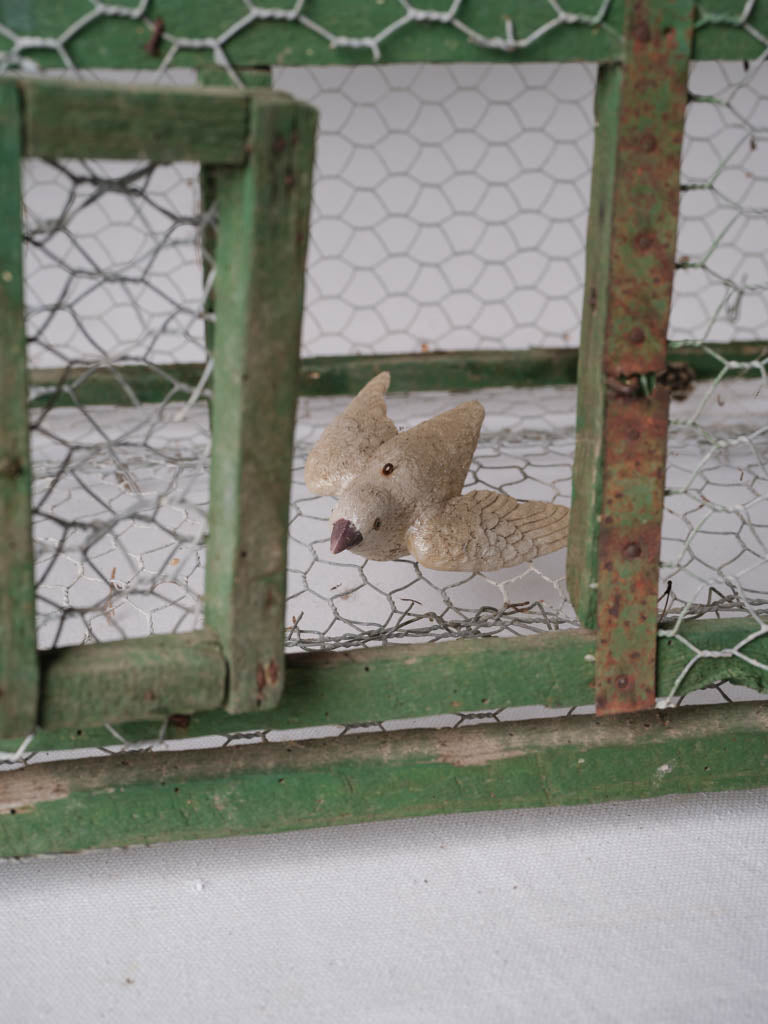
column 646, row 200
column 153, row 45
column 628, row 551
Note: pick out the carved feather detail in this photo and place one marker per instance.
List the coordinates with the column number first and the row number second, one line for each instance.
column 400, row 493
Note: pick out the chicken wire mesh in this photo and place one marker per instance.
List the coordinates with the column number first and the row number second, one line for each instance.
column 114, row 278
column 326, row 26
column 118, row 273
column 450, row 207
column 715, row 550
column 121, row 493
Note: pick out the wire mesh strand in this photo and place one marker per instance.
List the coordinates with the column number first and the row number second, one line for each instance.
column 715, row 555
column 113, row 279
column 21, row 46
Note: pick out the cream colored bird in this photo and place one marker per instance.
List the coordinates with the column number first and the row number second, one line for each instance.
column 400, row 493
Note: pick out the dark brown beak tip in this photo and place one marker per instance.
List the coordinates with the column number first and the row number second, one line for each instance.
column 344, row 535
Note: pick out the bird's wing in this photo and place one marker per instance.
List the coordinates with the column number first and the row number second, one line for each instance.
column 347, row 443
column 486, row 530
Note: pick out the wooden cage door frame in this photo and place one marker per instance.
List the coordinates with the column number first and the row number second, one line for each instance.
column 259, row 146
column 620, row 462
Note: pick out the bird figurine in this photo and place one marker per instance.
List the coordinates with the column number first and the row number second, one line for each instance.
column 399, row 494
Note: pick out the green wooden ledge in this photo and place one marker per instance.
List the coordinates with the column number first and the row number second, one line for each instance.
column 343, row 375
column 137, row 682
column 145, row 798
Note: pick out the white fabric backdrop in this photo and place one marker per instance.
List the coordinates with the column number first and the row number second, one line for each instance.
column 650, row 911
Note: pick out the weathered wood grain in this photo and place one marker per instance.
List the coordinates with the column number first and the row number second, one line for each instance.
column 145, row 798
column 121, row 122
column 376, row 684
column 151, row 677
column 590, row 411
column 261, row 247
column 18, row 656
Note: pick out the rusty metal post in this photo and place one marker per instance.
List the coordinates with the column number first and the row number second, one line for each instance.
column 622, row 422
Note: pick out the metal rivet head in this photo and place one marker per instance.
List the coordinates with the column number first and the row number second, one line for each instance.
column 637, row 335
column 632, row 550
column 644, row 241
column 648, row 143
column 622, row 682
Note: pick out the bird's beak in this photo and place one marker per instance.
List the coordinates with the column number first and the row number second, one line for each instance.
column 344, row 535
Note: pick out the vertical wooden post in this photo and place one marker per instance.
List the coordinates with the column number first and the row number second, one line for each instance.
column 19, row 681
column 619, row 469
column 261, row 248
column 252, row 78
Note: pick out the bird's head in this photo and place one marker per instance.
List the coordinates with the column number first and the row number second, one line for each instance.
column 370, row 522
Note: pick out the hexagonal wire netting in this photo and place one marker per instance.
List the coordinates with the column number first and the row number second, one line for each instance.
column 449, row 212
column 715, row 528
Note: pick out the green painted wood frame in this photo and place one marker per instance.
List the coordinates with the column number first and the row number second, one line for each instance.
column 365, row 777
column 271, row 787
column 202, row 35
column 261, row 144
column 345, row 375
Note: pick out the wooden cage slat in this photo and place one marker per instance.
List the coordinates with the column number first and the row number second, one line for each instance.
column 184, row 675
column 265, row 787
column 19, row 676
column 345, row 375
column 261, row 248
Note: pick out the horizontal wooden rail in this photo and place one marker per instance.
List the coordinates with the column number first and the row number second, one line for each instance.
column 126, row 384
column 145, row 798
column 135, row 681
column 119, row 122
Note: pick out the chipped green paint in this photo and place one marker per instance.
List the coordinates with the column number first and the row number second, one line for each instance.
column 146, row 798
column 261, row 247
column 184, row 675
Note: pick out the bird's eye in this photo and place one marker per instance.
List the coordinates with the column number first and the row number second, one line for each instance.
column 376, row 524
column 388, row 468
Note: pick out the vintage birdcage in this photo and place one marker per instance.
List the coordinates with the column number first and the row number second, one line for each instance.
column 180, row 654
